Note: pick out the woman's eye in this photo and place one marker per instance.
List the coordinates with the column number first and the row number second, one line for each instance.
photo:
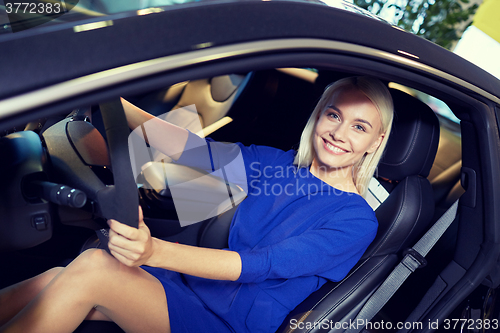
column 359, row 128
column 333, row 115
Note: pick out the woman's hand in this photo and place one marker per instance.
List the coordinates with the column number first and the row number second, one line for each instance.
column 132, row 247
column 135, row 247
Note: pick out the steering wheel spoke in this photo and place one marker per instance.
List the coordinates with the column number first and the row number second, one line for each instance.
column 119, row 201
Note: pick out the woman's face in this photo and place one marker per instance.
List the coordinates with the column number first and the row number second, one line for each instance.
column 346, row 129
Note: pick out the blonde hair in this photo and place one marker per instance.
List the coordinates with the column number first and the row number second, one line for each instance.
column 379, row 95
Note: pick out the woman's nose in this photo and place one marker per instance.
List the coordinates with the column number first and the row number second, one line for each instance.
column 338, row 133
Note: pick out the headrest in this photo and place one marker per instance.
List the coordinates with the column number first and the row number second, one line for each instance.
column 413, row 141
column 222, row 87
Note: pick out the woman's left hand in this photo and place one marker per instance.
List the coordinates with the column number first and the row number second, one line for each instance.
column 132, row 247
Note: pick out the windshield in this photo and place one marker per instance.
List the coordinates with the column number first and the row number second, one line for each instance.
column 111, row 7
column 19, row 15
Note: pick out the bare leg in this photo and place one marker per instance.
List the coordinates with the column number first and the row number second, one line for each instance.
column 14, row 298
column 131, row 297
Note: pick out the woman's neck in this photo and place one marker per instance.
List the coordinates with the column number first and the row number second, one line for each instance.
column 341, row 179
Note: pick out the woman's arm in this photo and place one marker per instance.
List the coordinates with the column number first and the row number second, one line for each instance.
column 164, row 136
column 197, row 261
column 136, row 247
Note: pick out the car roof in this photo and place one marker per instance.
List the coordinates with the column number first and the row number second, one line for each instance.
column 36, row 58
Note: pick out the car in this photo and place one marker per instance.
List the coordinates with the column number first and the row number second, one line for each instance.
column 254, row 71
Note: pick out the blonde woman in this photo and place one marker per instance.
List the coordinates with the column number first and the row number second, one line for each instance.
column 293, row 232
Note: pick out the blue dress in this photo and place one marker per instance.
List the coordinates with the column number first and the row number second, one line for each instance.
column 293, row 233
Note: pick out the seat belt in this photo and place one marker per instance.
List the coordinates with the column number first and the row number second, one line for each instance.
column 413, row 259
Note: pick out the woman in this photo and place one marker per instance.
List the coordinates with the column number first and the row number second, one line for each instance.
column 282, row 247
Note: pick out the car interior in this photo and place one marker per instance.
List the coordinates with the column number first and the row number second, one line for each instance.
column 421, row 175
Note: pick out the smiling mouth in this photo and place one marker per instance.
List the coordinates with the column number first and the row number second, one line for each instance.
column 334, row 149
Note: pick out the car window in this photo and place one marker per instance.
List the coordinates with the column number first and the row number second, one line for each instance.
column 445, row 115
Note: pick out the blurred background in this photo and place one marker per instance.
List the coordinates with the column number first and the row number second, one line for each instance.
column 470, row 28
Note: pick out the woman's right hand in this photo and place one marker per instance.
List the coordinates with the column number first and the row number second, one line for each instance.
column 132, row 247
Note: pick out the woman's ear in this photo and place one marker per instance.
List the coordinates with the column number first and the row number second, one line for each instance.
column 376, row 144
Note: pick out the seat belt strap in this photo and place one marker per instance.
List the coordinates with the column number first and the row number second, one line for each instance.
column 413, row 259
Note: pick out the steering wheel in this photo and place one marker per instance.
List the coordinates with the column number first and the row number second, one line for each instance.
column 120, row 201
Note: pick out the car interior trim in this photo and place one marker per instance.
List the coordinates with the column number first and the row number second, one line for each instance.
column 214, row 127
column 138, row 70
column 300, row 73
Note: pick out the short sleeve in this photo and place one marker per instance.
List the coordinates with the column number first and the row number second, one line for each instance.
column 329, row 251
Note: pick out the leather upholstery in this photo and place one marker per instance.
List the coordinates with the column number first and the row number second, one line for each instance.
column 414, row 139
column 213, row 97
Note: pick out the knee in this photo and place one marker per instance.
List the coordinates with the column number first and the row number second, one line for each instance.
column 93, row 261
column 41, row 281
column 52, row 273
